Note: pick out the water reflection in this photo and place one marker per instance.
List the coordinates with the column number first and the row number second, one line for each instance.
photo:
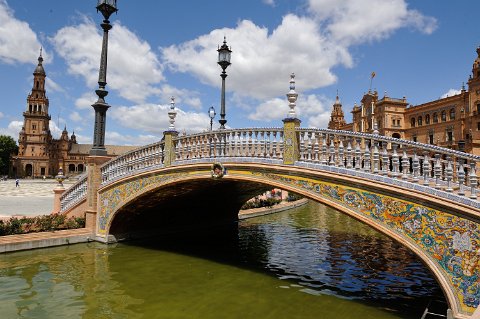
column 334, row 254
column 303, row 264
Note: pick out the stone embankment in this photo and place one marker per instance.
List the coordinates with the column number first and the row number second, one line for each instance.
column 44, row 239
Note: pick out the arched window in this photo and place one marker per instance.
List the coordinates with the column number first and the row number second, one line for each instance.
column 435, row 117
column 427, row 119
column 419, row 121
column 444, row 116
column 452, row 114
column 412, row 122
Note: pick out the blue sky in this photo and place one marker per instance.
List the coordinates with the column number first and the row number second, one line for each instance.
column 418, row 49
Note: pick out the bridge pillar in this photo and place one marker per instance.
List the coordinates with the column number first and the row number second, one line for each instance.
column 291, row 151
column 94, row 179
column 169, row 149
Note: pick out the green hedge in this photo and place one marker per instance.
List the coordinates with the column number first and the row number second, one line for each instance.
column 24, row 225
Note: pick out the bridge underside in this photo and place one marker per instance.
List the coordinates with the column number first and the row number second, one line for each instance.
column 183, row 206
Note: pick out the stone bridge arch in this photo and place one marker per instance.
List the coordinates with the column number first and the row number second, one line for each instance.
column 445, row 234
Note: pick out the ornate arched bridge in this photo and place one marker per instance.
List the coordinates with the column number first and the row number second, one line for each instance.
column 421, row 195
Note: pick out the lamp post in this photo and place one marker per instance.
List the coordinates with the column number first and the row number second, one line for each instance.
column 211, row 114
column 106, row 7
column 224, row 54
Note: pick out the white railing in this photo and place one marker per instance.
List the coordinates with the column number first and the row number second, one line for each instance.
column 142, row 159
column 250, row 142
column 433, row 167
column 429, row 165
column 73, row 195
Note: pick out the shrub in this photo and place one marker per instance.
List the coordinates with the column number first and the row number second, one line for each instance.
column 52, row 222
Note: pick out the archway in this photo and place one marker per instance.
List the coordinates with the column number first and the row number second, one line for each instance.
column 71, row 168
column 396, row 135
column 28, row 170
column 399, row 215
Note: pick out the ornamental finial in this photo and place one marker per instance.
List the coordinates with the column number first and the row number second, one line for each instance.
column 292, row 97
column 172, row 114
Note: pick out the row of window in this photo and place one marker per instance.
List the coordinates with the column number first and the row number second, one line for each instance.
column 443, row 115
column 431, row 138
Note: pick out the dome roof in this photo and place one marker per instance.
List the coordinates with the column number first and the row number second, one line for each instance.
column 39, row 69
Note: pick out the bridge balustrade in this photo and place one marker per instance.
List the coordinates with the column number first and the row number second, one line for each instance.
column 430, row 165
column 249, row 142
column 366, row 155
column 74, row 194
column 133, row 162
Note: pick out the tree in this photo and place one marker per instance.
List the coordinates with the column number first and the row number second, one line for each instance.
column 8, row 146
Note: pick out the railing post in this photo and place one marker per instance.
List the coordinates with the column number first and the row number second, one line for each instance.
column 367, row 164
column 449, row 174
column 395, row 161
column 349, row 154
column 324, row 159
column 169, row 149
column 437, row 170
column 385, row 159
column 416, row 167
column 341, row 153
column 426, row 169
column 405, row 165
column 473, row 181
column 376, row 157
column 331, row 152
column 291, row 150
column 461, row 178
column 358, row 154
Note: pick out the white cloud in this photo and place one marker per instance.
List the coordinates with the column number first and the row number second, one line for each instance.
column 133, row 69
column 182, row 97
column 450, row 92
column 269, row 2
column 53, row 86
column 313, row 109
column 115, row 138
column 359, row 21
column 12, row 130
column 259, row 59
column 153, row 119
column 85, row 101
column 20, row 45
column 75, row 116
column 1, row 115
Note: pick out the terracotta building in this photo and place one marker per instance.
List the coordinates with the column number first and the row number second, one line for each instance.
column 39, row 154
column 452, row 122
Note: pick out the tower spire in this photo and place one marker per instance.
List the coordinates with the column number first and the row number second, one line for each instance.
column 337, row 119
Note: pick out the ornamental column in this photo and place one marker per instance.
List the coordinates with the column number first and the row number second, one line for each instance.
column 291, row 150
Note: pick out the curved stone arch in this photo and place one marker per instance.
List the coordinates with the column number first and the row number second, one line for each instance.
column 445, row 241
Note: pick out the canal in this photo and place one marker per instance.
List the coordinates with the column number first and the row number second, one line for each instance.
column 310, row 262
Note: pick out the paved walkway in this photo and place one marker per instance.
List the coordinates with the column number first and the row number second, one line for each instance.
column 31, row 198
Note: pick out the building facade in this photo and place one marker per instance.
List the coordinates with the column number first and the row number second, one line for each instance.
column 39, row 154
column 452, row 122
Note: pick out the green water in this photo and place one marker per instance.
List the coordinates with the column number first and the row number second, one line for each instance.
column 288, row 265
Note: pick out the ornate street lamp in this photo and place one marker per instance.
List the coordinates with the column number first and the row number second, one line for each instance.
column 106, row 7
column 224, row 54
column 211, row 114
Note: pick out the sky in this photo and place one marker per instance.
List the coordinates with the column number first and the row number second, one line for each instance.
column 422, row 50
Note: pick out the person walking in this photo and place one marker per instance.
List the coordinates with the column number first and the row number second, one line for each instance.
column 17, row 182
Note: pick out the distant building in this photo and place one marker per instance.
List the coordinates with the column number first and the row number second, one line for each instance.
column 452, row 122
column 39, row 154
